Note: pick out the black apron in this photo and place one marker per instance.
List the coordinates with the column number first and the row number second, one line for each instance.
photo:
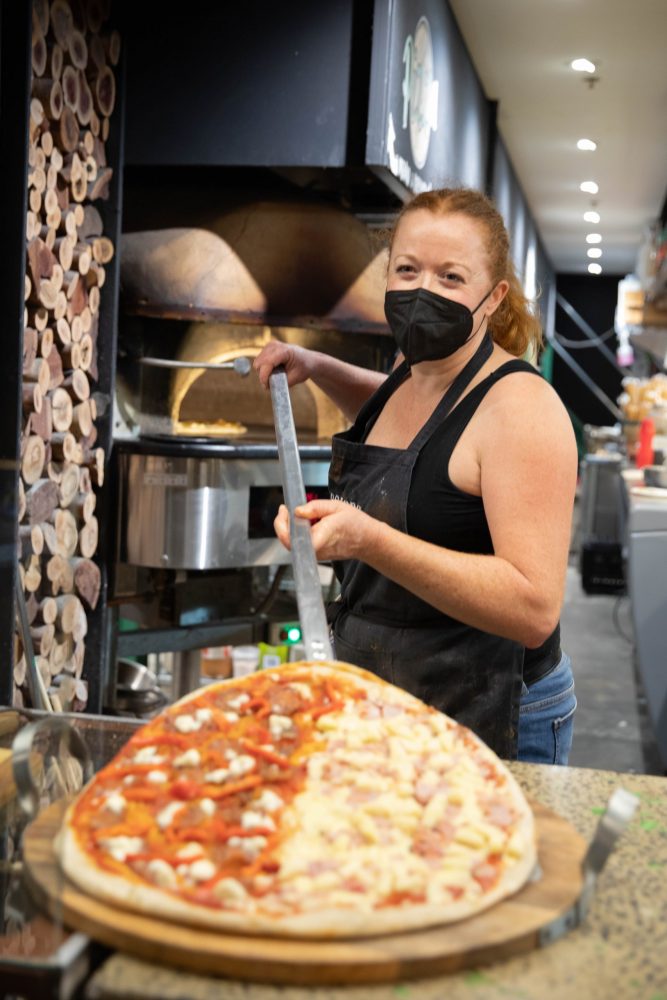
column 471, row 675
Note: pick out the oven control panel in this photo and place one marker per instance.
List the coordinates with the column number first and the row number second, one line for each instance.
column 263, row 506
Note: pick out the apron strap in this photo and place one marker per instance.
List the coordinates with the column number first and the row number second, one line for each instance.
column 368, row 413
column 453, row 394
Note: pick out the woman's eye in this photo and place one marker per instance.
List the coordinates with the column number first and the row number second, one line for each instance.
column 405, row 269
column 450, row 276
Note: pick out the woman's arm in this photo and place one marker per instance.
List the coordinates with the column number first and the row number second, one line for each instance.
column 528, row 473
column 346, row 385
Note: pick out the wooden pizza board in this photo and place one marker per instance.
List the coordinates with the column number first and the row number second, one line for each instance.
column 508, row 928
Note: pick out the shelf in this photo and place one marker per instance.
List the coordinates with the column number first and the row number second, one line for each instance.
column 652, row 339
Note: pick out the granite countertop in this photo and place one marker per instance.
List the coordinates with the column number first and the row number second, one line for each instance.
column 620, row 951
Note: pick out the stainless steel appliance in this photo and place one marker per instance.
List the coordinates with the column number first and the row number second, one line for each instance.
column 206, row 506
column 602, row 524
column 647, row 558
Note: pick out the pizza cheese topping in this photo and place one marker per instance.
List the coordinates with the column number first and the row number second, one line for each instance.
column 297, row 790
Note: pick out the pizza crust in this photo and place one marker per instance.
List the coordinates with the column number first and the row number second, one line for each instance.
column 325, row 923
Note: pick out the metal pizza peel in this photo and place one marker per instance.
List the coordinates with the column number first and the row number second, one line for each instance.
column 312, row 616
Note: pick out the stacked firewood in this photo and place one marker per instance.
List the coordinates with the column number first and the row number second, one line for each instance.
column 72, row 99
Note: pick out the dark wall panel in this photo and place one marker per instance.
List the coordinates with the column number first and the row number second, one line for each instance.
column 531, row 260
column 250, row 84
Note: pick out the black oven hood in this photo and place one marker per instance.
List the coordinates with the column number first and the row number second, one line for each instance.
column 379, row 99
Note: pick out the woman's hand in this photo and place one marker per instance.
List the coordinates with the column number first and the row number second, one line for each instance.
column 338, row 530
column 295, row 360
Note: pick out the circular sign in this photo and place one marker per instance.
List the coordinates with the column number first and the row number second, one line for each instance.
column 421, row 80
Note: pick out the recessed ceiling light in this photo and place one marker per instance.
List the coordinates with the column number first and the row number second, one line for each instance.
column 592, row 217
column 590, row 187
column 587, row 144
column 583, row 65
column 594, row 252
column 594, row 238
column 594, row 269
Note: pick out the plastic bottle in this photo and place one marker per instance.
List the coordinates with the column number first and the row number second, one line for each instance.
column 245, row 660
column 645, row 448
column 629, row 302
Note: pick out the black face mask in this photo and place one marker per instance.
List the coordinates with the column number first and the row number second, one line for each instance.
column 426, row 326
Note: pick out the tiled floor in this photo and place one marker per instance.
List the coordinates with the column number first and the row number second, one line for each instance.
column 611, row 726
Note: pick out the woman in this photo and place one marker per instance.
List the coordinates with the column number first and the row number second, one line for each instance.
column 452, row 493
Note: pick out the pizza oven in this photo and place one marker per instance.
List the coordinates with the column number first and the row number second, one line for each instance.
column 198, row 476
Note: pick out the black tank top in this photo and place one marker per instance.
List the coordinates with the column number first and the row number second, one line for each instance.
column 441, row 513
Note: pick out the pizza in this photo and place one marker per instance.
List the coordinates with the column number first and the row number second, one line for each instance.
column 208, row 428
column 309, row 800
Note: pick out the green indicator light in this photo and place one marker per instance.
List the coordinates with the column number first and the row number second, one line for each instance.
column 293, row 634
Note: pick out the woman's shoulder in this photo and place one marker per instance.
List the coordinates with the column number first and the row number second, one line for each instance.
column 513, row 378
column 524, row 401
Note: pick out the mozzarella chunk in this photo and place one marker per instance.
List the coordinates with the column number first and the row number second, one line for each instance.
column 161, row 873
column 231, row 716
column 249, row 819
column 207, row 806
column 279, row 725
column 202, row 870
column 217, row 777
column 115, row 803
column 190, row 850
column 250, row 846
column 241, row 765
column 187, row 723
column 203, row 714
column 229, row 890
column 148, row 755
column 156, row 777
column 303, row 689
column 120, row 847
column 239, row 701
column 191, row 758
column 166, row 817
column 268, row 801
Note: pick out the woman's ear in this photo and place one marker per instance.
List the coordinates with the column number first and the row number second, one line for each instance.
column 496, row 297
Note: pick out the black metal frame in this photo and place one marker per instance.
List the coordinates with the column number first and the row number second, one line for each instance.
column 585, row 378
column 15, row 72
column 97, row 664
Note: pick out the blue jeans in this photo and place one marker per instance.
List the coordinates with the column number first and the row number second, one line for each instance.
column 546, row 716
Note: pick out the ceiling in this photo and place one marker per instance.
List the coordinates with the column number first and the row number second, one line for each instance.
column 522, row 50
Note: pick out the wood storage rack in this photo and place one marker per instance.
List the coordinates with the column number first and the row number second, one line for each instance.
column 61, row 195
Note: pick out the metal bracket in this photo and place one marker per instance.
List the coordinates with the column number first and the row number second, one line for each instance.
column 38, row 693
column 617, row 816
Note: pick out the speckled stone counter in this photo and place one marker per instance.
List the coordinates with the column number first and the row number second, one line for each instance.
column 619, row 953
